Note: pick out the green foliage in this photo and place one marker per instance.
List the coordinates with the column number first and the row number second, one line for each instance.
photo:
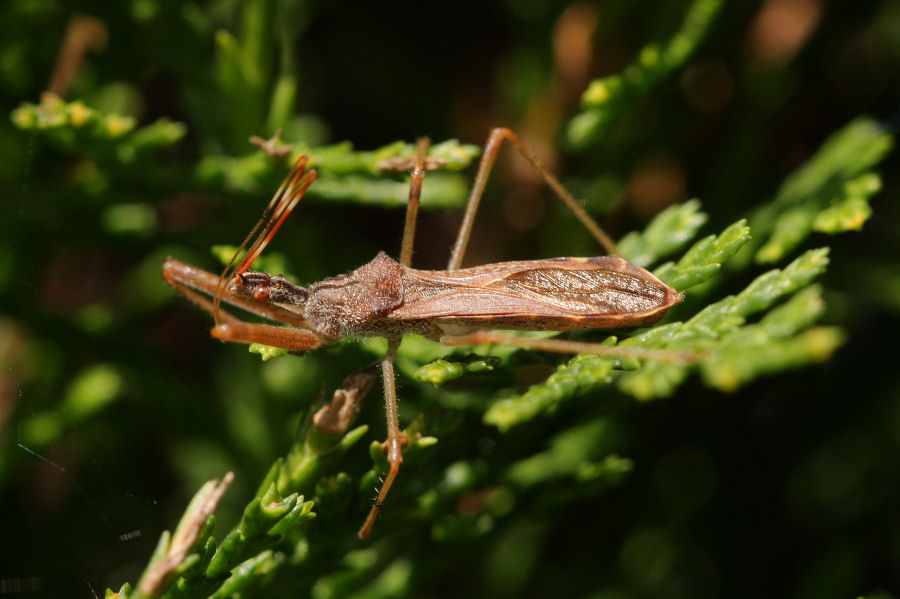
column 77, row 127
column 345, row 174
column 541, row 475
column 830, row 194
column 88, row 393
column 718, row 334
column 453, row 367
column 605, row 99
column 669, row 231
column 570, row 455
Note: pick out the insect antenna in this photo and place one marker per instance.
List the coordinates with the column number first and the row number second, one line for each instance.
column 280, row 206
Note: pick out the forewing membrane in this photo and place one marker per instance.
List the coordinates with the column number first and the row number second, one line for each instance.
column 557, row 288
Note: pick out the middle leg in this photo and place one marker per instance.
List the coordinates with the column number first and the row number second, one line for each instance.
column 395, row 437
column 412, row 206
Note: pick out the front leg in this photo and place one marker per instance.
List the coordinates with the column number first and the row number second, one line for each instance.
column 196, row 284
column 201, row 288
column 284, row 337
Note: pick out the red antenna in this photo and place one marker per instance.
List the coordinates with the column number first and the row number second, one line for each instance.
column 280, row 206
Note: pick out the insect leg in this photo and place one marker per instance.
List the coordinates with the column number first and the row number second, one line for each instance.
column 565, row 346
column 193, row 283
column 412, row 206
column 488, row 157
column 284, row 337
column 394, row 443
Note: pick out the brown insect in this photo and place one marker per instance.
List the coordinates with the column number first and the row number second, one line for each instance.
column 387, row 298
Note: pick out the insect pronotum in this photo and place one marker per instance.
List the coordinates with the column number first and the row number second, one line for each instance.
column 456, row 306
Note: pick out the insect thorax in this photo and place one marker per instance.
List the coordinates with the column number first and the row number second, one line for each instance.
column 354, row 303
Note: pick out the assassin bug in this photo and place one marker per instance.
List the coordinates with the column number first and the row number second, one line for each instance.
column 456, row 306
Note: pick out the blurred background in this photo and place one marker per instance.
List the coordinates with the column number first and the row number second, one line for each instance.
column 115, row 405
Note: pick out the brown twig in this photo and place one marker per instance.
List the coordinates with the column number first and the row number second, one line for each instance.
column 200, row 509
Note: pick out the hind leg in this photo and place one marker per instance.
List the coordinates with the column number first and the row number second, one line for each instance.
column 491, row 150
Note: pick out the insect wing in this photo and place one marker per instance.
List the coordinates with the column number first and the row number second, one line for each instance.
column 562, row 292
